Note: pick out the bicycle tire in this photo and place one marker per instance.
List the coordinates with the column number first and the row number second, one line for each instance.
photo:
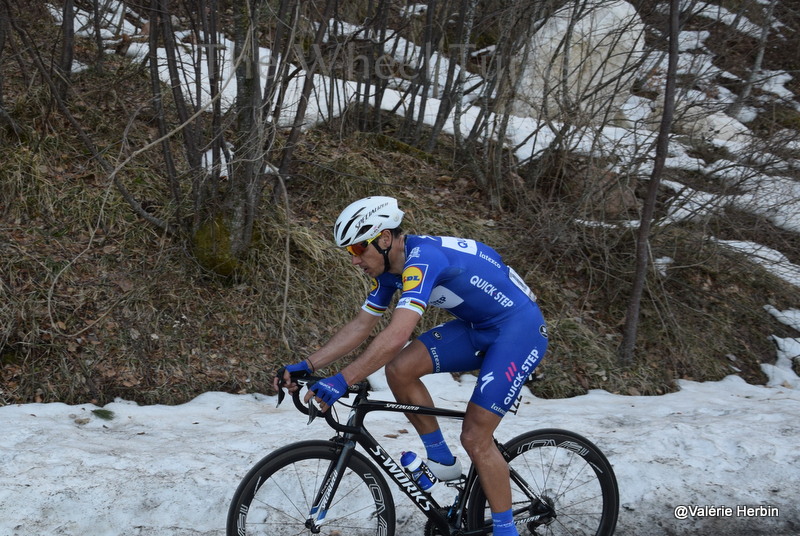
column 574, row 482
column 275, row 496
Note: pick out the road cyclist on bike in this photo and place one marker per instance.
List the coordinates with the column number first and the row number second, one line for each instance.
column 498, row 330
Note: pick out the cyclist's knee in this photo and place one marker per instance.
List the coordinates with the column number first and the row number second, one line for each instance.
column 410, row 364
column 398, row 373
column 477, row 431
column 477, row 441
column 393, row 371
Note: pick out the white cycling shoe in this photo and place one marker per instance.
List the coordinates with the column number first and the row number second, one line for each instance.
column 443, row 472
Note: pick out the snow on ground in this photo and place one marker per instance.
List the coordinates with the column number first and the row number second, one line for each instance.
column 171, row 470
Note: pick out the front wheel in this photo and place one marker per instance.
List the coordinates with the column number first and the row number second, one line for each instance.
column 560, row 484
column 276, row 497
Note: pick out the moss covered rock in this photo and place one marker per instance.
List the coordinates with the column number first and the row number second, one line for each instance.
column 212, row 248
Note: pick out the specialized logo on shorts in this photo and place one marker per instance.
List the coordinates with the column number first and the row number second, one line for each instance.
column 543, row 331
column 486, row 380
column 412, row 278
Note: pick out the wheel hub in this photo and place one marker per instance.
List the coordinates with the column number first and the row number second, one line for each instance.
column 543, row 506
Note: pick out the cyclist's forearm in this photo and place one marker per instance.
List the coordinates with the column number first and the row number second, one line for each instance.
column 376, row 355
column 344, row 341
column 332, row 351
column 383, row 348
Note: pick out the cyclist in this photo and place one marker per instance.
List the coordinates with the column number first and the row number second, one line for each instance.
column 498, row 329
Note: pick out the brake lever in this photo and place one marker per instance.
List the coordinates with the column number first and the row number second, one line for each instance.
column 281, row 382
column 312, row 411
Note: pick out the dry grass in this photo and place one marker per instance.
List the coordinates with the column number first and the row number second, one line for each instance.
column 97, row 311
column 94, row 304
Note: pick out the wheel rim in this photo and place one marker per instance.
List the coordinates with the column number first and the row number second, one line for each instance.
column 561, row 484
column 281, row 503
column 567, row 489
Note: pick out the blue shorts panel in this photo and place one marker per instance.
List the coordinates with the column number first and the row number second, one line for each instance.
column 505, row 355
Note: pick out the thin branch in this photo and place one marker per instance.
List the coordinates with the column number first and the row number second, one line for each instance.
column 628, row 345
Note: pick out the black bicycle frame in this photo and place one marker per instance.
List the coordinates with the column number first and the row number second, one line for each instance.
column 355, row 433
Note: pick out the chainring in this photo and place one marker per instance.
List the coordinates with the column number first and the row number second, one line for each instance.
column 432, row 530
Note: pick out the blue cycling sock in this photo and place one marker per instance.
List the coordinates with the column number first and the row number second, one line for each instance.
column 436, row 448
column 503, row 524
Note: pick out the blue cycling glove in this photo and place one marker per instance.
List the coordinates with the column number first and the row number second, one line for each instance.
column 302, row 366
column 330, row 389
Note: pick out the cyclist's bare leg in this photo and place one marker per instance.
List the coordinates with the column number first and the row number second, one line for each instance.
column 476, row 437
column 403, row 374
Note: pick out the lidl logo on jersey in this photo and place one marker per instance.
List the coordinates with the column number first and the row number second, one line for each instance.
column 413, row 276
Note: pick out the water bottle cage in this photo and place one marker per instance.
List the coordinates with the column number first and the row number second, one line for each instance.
column 422, row 477
column 428, row 473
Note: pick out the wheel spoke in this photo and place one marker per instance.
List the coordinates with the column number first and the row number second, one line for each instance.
column 561, row 477
column 276, row 498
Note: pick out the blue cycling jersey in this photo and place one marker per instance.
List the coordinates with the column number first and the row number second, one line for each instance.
column 466, row 277
column 498, row 328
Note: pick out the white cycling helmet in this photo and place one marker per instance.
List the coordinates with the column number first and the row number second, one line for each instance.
column 366, row 218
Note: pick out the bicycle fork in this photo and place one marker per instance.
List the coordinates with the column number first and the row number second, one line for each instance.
column 330, row 483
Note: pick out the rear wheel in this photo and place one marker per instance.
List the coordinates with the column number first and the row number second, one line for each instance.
column 277, row 495
column 561, row 484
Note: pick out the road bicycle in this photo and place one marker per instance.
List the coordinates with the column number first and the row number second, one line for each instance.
column 561, row 483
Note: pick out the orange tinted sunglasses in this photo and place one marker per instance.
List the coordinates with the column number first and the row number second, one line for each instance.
column 358, row 249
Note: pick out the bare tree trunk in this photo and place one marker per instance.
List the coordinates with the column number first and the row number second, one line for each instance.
column 482, row 149
column 628, row 345
column 279, row 51
column 67, row 48
column 4, row 115
column 381, row 83
column 433, row 35
column 454, row 85
column 190, row 139
column 158, row 105
column 736, row 107
column 308, row 85
column 246, row 175
column 98, row 38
